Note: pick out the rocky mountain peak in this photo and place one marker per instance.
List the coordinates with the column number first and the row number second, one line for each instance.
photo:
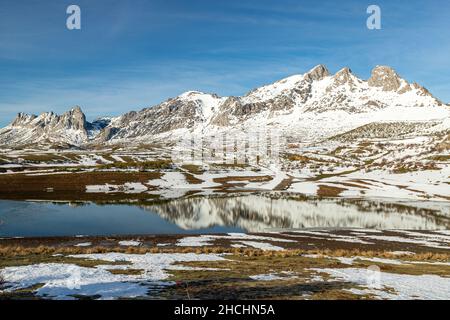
column 191, row 94
column 343, row 76
column 386, row 78
column 74, row 119
column 22, row 119
column 76, row 110
column 317, row 73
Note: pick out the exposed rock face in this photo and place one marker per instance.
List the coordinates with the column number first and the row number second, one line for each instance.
column 70, row 120
column 317, row 73
column 167, row 116
column 384, row 77
column 73, row 120
column 248, row 109
column 69, row 128
column 343, row 76
column 421, row 90
column 23, row 119
column 223, row 117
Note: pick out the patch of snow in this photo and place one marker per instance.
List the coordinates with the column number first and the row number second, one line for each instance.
column 334, row 237
column 129, row 187
column 130, row 243
column 262, row 245
column 63, row 281
column 421, row 242
column 240, row 238
column 199, row 241
column 406, row 287
column 237, row 245
column 83, row 244
column 402, row 253
column 270, row 277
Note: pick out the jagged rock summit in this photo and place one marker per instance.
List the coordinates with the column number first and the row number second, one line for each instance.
column 386, row 78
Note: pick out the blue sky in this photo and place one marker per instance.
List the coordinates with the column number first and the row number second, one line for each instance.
column 134, row 54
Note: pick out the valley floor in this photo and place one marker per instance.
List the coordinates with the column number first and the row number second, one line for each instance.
column 290, row 264
column 409, row 168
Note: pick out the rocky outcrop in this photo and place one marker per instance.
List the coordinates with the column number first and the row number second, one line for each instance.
column 70, row 127
column 23, row 119
column 343, row 76
column 384, row 77
column 317, row 73
column 224, row 115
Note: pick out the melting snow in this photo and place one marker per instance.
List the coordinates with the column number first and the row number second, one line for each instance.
column 130, row 243
column 240, row 238
column 406, row 287
column 83, row 244
column 270, row 277
column 262, row 245
column 63, row 281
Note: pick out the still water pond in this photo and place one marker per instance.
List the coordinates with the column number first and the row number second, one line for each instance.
column 250, row 213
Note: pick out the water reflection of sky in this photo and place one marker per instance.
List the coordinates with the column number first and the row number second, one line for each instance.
column 29, row 219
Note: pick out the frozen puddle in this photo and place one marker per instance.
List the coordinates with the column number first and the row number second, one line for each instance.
column 67, row 281
column 393, row 286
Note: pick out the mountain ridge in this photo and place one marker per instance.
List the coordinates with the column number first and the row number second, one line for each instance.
column 298, row 101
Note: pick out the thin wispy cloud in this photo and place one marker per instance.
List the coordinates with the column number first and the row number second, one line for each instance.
column 131, row 55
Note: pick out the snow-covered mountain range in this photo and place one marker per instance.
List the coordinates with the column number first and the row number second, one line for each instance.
column 314, row 105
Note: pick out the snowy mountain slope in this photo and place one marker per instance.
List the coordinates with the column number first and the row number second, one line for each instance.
column 314, row 105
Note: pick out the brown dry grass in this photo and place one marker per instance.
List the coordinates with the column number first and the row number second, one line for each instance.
column 228, row 165
column 133, row 272
column 414, row 167
column 426, row 256
column 299, row 158
column 284, row 184
column 192, row 179
column 141, row 165
column 443, row 157
column 11, row 251
column 193, row 168
column 329, row 191
column 13, row 183
column 230, row 179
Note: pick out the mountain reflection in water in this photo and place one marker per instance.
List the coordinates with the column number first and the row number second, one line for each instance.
column 256, row 213
column 218, row 214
